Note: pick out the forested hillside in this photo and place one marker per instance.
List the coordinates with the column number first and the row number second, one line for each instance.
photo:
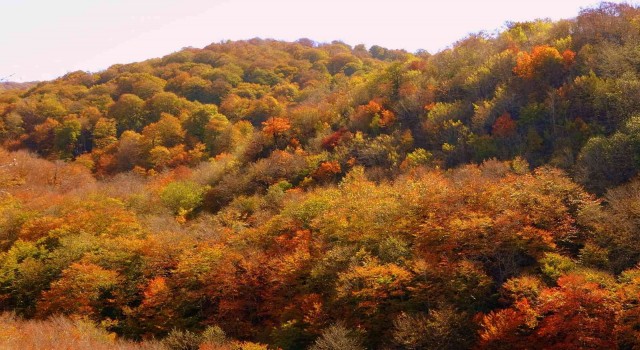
column 260, row 193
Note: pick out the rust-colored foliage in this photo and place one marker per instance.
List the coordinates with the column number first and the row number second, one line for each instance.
column 276, row 126
column 543, row 61
column 326, row 171
column 577, row 314
column 330, row 142
column 372, row 115
column 504, row 126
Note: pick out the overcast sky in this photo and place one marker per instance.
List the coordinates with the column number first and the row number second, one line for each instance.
column 43, row 39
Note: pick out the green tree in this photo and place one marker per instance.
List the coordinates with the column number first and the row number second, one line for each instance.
column 605, row 162
column 163, row 102
column 104, row 133
column 128, row 112
column 182, row 197
column 67, row 136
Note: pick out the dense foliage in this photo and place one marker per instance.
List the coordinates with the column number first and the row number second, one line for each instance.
column 323, row 196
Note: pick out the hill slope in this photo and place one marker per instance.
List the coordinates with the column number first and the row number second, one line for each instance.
column 540, row 90
column 304, row 194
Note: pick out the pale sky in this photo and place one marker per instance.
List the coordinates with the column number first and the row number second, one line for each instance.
column 43, row 39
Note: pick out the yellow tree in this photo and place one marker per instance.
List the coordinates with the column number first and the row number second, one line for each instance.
column 83, row 289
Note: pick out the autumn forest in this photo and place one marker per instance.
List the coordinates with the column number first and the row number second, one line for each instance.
column 263, row 194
